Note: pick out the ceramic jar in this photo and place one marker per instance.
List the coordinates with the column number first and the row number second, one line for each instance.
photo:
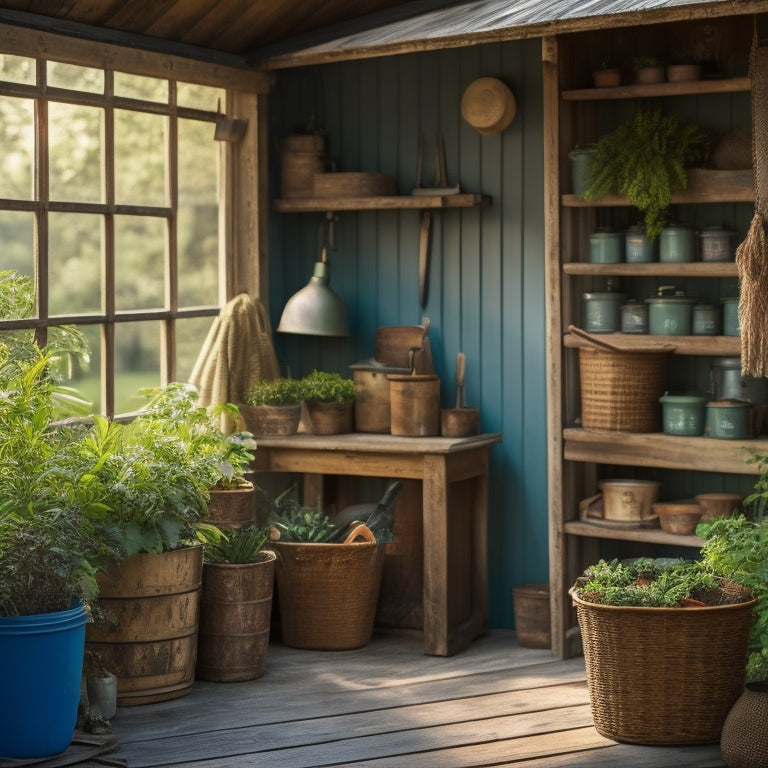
column 706, row 320
column 581, row 160
column 682, row 414
column 601, row 311
column 634, row 317
column 637, row 247
column 727, row 420
column 670, row 312
column 606, row 247
column 731, row 316
column 677, row 243
column 715, row 244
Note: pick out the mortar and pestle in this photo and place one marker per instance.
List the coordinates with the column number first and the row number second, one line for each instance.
column 459, row 421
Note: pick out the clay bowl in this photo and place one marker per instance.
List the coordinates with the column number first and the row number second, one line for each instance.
column 718, row 504
column 678, row 517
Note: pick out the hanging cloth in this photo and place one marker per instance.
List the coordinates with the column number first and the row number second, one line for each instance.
column 752, row 254
column 236, row 354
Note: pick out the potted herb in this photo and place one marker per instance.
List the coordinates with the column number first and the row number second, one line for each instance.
column 648, row 69
column 607, row 75
column 328, row 577
column 101, row 687
column 273, row 406
column 226, row 455
column 645, row 160
column 665, row 646
column 330, row 399
column 235, row 605
column 53, row 537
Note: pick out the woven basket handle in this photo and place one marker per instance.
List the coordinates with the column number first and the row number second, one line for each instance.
column 361, row 531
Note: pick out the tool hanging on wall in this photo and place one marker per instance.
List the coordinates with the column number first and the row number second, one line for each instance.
column 441, row 188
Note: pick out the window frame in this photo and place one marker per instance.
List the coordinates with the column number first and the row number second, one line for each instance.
column 242, row 190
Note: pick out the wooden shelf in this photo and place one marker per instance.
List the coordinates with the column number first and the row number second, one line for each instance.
column 413, row 202
column 654, row 269
column 649, row 535
column 715, row 346
column 656, row 90
column 700, row 454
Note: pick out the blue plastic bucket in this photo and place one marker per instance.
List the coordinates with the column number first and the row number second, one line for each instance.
column 42, row 662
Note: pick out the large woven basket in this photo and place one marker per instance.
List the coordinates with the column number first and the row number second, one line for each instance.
column 663, row 675
column 327, row 593
column 620, row 391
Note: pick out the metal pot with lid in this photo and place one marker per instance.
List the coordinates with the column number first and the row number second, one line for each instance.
column 670, row 312
column 601, row 310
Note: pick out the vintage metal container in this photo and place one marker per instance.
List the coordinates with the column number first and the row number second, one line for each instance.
column 727, row 419
column 682, row 414
column 670, row 312
column 706, row 320
column 638, row 248
column 606, row 247
column 731, row 316
column 727, row 383
column 634, row 317
column 625, row 501
column 677, row 243
column 715, row 244
column 601, row 311
column 581, row 159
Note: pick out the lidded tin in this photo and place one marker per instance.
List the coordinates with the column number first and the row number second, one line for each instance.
column 601, row 310
column 677, row 243
column 715, row 244
column 731, row 316
column 682, row 414
column 706, row 319
column 727, row 419
column 638, row 248
column 606, row 247
column 670, row 312
column 634, row 317
column 581, row 162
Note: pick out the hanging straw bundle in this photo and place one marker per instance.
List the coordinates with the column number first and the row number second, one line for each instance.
column 752, row 254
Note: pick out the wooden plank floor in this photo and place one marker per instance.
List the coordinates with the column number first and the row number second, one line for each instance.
column 389, row 705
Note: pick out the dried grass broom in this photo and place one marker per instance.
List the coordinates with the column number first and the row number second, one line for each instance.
column 752, row 253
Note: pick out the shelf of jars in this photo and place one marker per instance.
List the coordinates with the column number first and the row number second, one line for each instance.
column 653, row 269
column 725, row 346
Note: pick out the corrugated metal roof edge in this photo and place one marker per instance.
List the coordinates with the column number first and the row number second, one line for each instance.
column 434, row 32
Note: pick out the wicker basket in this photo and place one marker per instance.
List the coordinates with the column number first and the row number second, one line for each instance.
column 663, row 675
column 327, row 593
column 620, row 391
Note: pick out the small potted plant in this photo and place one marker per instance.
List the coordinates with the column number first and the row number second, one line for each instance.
column 235, row 605
column 607, row 75
column 643, row 625
column 329, row 399
column 101, row 687
column 273, row 406
column 648, row 69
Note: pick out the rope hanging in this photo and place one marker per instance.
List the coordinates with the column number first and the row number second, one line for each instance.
column 752, row 254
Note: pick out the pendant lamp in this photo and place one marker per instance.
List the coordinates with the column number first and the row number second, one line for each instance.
column 315, row 310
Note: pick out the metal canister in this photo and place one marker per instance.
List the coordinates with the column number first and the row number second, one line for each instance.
column 715, row 244
column 706, row 320
column 606, row 247
column 634, row 317
column 670, row 312
column 638, row 248
column 601, row 311
column 731, row 316
column 677, row 243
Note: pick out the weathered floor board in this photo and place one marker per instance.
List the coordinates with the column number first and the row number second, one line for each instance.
column 389, row 705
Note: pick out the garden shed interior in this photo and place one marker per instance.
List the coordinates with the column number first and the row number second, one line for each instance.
column 508, row 267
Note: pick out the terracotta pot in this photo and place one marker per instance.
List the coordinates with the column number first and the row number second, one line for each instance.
column 606, row 78
column 680, row 73
column 680, row 518
column 648, row 75
column 330, row 418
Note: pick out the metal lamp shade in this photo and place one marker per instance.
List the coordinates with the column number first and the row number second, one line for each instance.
column 315, row 310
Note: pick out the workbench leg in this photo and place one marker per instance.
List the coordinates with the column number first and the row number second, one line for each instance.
column 435, row 516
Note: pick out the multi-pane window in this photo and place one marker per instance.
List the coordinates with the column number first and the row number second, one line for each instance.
column 109, row 210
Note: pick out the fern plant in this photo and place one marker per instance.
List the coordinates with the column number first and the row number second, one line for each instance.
column 237, row 546
column 645, row 160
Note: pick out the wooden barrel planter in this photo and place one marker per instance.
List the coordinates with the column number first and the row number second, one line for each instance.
column 328, row 593
column 235, row 613
column 152, row 645
column 232, row 507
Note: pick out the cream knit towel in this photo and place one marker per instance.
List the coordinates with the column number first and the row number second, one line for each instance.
column 236, row 354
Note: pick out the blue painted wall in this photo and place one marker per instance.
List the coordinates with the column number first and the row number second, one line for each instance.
column 486, row 288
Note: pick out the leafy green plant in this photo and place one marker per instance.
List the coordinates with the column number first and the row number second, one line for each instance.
column 240, row 545
column 55, row 530
column 326, row 387
column 645, row 159
column 737, row 547
column 290, row 521
column 280, row 391
column 642, row 62
column 654, row 583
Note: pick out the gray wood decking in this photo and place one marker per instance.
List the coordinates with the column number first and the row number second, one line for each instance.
column 390, row 705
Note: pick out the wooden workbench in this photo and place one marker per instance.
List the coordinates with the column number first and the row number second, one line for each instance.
column 453, row 476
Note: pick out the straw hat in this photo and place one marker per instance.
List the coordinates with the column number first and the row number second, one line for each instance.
column 488, row 105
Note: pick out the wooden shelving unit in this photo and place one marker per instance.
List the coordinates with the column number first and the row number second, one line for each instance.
column 579, row 458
